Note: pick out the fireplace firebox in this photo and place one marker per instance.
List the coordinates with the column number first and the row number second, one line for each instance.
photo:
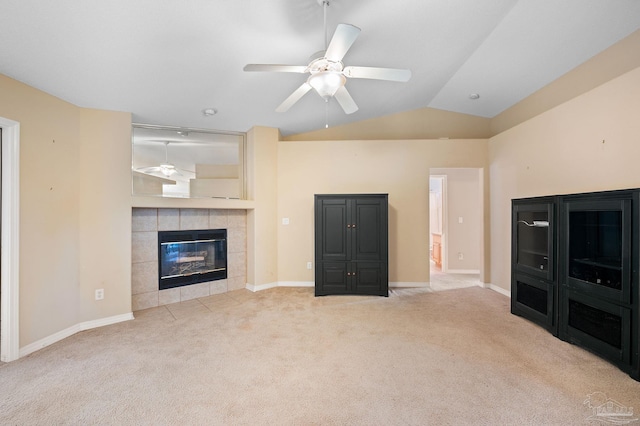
column 191, row 257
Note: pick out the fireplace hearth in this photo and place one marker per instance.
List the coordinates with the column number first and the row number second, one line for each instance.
column 191, row 257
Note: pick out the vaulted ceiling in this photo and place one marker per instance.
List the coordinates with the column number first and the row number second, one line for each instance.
column 166, row 61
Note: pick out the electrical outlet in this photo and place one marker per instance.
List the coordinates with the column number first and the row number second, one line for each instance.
column 100, row 294
column 309, row 265
column 460, row 256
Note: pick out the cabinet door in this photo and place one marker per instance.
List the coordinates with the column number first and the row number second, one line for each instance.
column 533, row 238
column 332, row 278
column 597, row 248
column 369, row 278
column 535, row 299
column 368, row 228
column 598, row 325
column 332, row 238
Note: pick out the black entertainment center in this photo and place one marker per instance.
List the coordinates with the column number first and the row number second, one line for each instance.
column 575, row 270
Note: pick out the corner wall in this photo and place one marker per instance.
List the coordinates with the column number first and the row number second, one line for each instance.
column 590, row 143
column 71, row 160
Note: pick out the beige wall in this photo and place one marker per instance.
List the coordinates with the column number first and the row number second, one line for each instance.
column 64, row 150
column 399, row 168
column 105, row 213
column 262, row 231
column 590, row 143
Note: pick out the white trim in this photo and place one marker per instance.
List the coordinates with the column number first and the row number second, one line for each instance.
column 260, row 287
column 87, row 325
column 463, row 271
column 497, row 289
column 10, row 240
column 392, row 284
column 399, row 284
column 296, row 284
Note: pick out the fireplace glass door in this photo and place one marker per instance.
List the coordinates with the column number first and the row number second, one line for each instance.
column 189, row 257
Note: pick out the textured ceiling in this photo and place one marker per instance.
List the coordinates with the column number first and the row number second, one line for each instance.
column 165, row 61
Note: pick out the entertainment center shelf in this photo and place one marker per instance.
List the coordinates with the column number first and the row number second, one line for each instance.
column 575, row 270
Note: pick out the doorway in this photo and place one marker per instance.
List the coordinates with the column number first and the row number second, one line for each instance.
column 9, row 238
column 456, row 221
column 437, row 236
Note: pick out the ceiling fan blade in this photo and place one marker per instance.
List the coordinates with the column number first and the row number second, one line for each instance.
column 148, row 169
column 390, row 74
column 341, row 41
column 294, row 97
column 275, row 68
column 346, row 101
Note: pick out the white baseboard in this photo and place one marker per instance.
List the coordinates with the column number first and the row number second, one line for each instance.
column 393, row 284
column 463, row 271
column 296, row 284
column 497, row 289
column 400, row 284
column 87, row 325
column 260, row 287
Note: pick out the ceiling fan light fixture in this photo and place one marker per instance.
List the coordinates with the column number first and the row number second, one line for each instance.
column 167, row 169
column 327, row 83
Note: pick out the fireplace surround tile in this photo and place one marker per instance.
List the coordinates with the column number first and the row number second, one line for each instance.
column 145, row 253
column 144, row 220
column 170, row 295
column 144, row 301
column 218, row 287
column 236, row 264
column 237, row 219
column 144, row 277
column 194, row 291
column 236, row 283
column 168, row 219
column 236, row 240
column 144, row 246
column 218, row 219
column 194, row 219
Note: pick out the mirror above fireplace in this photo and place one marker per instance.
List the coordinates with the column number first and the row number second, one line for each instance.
column 187, row 163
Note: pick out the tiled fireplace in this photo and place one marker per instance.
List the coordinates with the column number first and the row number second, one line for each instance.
column 146, row 222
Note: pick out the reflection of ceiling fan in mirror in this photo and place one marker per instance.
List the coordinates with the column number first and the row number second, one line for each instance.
column 167, row 169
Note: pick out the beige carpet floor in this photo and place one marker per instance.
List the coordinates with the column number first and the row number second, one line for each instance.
column 284, row 357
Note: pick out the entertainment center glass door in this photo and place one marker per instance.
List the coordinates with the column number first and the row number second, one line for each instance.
column 598, row 248
column 533, row 241
column 533, row 288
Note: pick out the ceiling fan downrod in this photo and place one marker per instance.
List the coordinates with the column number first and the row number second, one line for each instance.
column 325, row 4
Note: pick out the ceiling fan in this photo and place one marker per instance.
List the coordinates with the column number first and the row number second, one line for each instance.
column 328, row 74
column 167, row 169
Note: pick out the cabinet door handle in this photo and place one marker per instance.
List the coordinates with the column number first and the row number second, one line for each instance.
column 353, row 226
column 349, row 226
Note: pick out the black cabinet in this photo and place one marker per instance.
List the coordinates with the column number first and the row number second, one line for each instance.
column 351, row 244
column 599, row 275
column 586, row 292
column 533, row 274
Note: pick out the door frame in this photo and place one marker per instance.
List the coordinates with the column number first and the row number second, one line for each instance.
column 445, row 223
column 9, row 240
